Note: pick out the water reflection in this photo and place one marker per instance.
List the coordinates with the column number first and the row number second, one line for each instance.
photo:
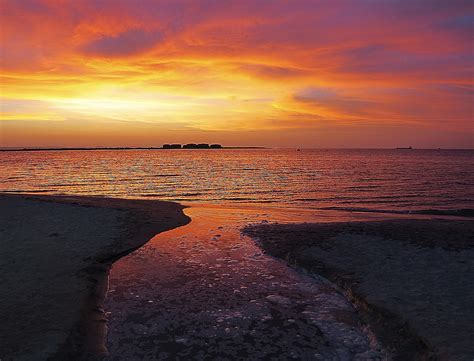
column 372, row 179
column 204, row 290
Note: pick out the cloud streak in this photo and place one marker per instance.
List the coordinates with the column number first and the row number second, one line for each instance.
column 130, row 42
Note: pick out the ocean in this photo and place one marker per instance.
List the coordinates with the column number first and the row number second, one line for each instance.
column 393, row 181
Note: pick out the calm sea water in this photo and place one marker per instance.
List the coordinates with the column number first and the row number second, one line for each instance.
column 382, row 180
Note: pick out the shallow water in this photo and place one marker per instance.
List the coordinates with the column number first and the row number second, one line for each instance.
column 387, row 180
column 204, row 291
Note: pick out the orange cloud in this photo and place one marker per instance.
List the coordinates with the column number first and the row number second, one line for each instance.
column 234, row 68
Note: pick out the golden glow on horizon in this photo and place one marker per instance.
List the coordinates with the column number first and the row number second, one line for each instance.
column 257, row 74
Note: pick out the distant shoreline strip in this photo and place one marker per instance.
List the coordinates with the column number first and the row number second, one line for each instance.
column 118, row 148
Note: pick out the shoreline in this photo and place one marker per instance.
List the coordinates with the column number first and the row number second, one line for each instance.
column 299, row 244
column 403, row 275
column 356, row 213
column 82, row 331
column 124, row 148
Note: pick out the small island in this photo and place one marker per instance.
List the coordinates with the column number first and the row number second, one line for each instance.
column 192, row 146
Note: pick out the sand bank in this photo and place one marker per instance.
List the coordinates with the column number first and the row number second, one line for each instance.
column 55, row 255
column 412, row 279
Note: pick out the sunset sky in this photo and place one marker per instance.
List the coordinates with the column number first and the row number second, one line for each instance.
column 273, row 73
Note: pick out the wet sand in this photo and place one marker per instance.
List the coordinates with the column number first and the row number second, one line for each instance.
column 55, row 256
column 205, row 291
column 412, row 279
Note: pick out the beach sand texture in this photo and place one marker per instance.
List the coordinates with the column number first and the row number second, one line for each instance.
column 205, row 289
column 55, row 253
column 411, row 277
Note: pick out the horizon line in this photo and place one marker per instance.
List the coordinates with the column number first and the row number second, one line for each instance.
column 10, row 149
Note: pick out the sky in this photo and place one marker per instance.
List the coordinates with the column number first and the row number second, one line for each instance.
column 324, row 74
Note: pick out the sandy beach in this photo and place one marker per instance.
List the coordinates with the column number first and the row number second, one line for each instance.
column 398, row 290
column 55, row 256
column 410, row 279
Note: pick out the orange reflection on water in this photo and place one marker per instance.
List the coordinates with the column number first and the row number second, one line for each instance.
column 389, row 180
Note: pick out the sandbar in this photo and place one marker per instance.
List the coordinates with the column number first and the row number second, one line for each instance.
column 411, row 278
column 55, row 255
